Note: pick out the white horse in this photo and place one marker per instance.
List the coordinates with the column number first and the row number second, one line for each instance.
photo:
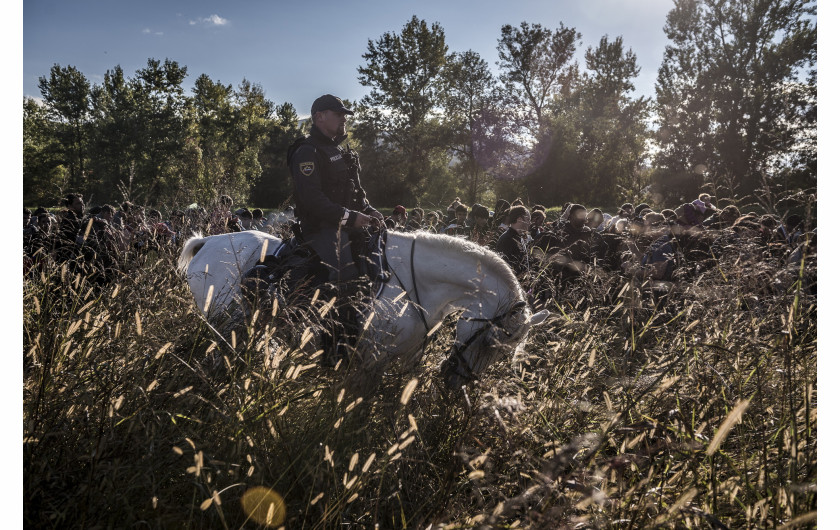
column 432, row 276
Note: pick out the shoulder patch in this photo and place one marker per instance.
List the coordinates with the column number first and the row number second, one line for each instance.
column 307, row 168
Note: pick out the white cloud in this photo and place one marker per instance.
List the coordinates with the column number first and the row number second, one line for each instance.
column 37, row 99
column 148, row 31
column 212, row 20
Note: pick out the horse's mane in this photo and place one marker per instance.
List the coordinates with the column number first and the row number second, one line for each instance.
column 491, row 261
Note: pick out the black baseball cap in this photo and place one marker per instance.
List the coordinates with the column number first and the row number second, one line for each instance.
column 329, row 102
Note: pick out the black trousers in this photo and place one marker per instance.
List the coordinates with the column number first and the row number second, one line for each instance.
column 333, row 247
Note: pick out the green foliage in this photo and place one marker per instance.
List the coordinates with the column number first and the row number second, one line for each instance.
column 595, row 144
column 66, row 93
column 736, row 92
column 116, row 134
column 163, row 131
column 735, row 110
column 273, row 187
column 469, row 94
column 404, row 72
column 536, row 65
column 44, row 176
column 143, row 139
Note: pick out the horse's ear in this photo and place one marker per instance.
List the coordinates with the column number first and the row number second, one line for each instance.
column 538, row 318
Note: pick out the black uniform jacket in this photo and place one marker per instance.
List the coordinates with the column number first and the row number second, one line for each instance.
column 327, row 188
column 512, row 249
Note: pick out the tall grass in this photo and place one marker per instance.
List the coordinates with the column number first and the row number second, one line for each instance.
column 623, row 411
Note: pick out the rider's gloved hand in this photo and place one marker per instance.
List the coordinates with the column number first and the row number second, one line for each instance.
column 362, row 221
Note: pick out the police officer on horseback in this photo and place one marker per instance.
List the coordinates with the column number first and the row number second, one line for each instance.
column 330, row 202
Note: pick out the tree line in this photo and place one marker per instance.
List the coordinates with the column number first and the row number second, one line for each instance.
column 734, row 114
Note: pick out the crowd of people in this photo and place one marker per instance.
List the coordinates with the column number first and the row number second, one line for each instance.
column 670, row 245
column 107, row 239
column 666, row 245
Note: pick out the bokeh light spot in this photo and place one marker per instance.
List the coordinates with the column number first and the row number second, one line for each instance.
column 264, row 506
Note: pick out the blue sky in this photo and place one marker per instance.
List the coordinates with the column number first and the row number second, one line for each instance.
column 298, row 51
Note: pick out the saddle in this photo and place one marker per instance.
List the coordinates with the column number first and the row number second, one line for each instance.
column 277, row 275
column 294, row 261
column 293, row 273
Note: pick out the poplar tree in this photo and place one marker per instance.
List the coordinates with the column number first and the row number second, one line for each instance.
column 404, row 72
column 736, row 93
column 66, row 93
column 468, row 96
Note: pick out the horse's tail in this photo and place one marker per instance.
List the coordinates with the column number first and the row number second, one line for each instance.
column 191, row 248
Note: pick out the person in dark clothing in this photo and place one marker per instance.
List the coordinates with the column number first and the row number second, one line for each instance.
column 575, row 236
column 480, row 231
column 71, row 217
column 688, row 215
column 69, row 226
column 595, row 219
column 432, row 222
column 399, row 216
column 639, row 211
column 511, row 244
column 30, row 227
column 458, row 226
column 258, row 219
column 662, row 257
column 329, row 198
column 415, row 222
column 500, row 213
column 537, row 224
column 40, row 246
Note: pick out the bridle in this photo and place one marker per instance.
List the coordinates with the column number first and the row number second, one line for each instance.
column 456, row 361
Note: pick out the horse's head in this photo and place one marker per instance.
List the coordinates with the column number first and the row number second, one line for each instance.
column 479, row 342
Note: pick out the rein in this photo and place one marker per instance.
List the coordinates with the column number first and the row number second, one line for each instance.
column 417, row 306
column 456, row 360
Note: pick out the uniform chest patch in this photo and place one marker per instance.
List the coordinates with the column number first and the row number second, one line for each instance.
column 335, row 158
column 307, row 168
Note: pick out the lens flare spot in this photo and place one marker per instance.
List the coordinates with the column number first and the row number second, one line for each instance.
column 264, row 506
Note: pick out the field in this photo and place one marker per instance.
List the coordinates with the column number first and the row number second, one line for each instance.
column 623, row 411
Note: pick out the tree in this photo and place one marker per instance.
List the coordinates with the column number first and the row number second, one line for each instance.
column 594, row 145
column 536, row 65
column 731, row 99
column 614, row 128
column 252, row 122
column 468, row 94
column 404, row 73
column 273, row 188
column 116, row 133
column 163, row 119
column 66, row 94
column 43, row 169
column 142, row 139
column 214, row 109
